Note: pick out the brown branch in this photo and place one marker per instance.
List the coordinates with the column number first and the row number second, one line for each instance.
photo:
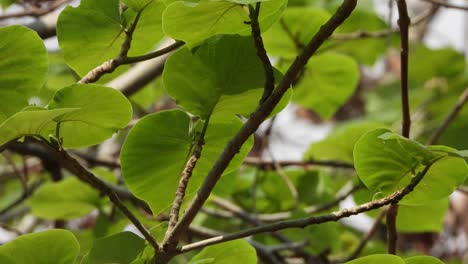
column 450, row 117
column 382, row 33
column 257, row 118
column 447, row 5
column 30, row 190
column 269, row 165
column 36, row 12
column 404, row 23
column 341, row 195
column 313, row 220
column 73, row 166
column 122, row 59
column 184, row 179
column 261, row 52
column 237, row 211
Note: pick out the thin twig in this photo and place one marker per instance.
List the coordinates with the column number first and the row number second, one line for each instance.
column 16, row 171
column 36, row 12
column 269, row 165
column 340, row 196
column 280, row 171
column 86, row 176
column 447, row 5
column 122, row 59
column 258, row 117
column 450, row 117
column 237, row 211
column 313, row 220
column 404, row 22
column 261, row 52
column 382, row 33
column 33, row 187
column 184, row 179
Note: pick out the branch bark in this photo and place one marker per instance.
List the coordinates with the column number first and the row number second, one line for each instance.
column 257, row 118
column 313, row 220
column 404, row 23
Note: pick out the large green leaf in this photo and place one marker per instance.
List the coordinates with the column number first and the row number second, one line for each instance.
column 422, row 218
column 52, row 246
column 219, row 76
column 237, row 251
column 295, row 29
column 66, row 199
column 439, row 182
column 328, row 80
column 156, row 150
column 30, row 122
column 378, row 259
column 122, row 248
column 422, row 260
column 339, row 145
column 386, row 162
column 102, row 112
column 23, row 67
column 194, row 23
column 101, row 41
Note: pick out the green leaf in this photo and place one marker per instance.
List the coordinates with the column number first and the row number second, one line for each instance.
column 295, row 29
column 156, row 150
column 52, row 246
column 386, row 162
column 444, row 62
column 223, row 75
column 101, row 41
column 339, row 145
column 439, row 182
column 422, row 218
column 422, row 260
column 195, row 22
column 67, row 199
column 102, row 112
column 24, row 67
column 328, row 80
column 378, row 259
column 30, row 122
column 237, row 251
column 119, row 248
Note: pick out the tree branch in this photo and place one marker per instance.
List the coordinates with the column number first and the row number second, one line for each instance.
column 185, row 177
column 269, row 165
column 257, row 118
column 447, row 5
column 86, row 176
column 261, row 52
column 122, row 59
column 382, row 33
column 313, row 220
column 36, row 12
column 404, row 22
